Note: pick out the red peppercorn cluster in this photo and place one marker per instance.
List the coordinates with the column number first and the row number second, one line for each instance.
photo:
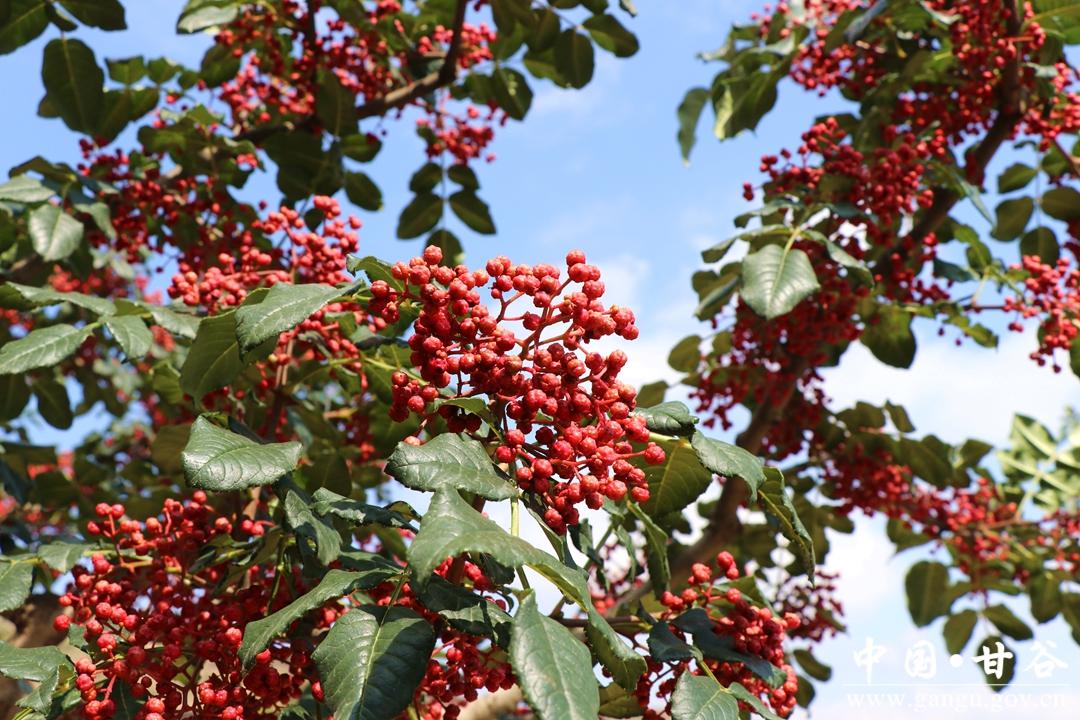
column 964, row 102
column 776, row 362
column 752, row 631
column 462, row 665
column 1052, row 294
column 567, row 421
column 817, row 606
column 169, row 628
column 870, row 480
column 767, row 358
column 287, row 49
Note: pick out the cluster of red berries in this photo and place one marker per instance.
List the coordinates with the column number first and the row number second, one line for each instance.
column 288, row 49
column 249, row 258
column 867, row 479
column 1051, row 293
column 568, row 423
column 462, row 665
column 168, row 626
column 817, row 606
column 751, row 630
column 463, row 137
column 776, row 362
column 767, row 359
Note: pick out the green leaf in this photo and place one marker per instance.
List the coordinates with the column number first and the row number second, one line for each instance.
column 449, row 461
column 216, row 459
column 574, row 58
column 334, row 105
column 203, row 14
column 284, row 307
column 34, row 664
column 131, row 333
column 463, row 176
column 1045, row 591
column 686, row 354
column 666, row 646
column 54, row 233
column 1012, row 218
column 957, row 630
column 360, row 147
column 676, row 483
column 899, row 417
column 25, row 189
column 53, row 403
column 328, row 502
column 721, row 647
column 888, row 336
column 452, row 527
column 740, row 101
column 420, row 215
column 259, row 634
column 1062, row 203
column 104, row 14
column 669, row 418
column 777, row 503
column 1033, row 436
column 426, row 178
column 926, row 585
column 656, row 549
column 467, row 611
column 127, row 71
column 362, row 191
column 689, row 114
column 16, row 579
column 1042, row 243
column 472, row 211
column 855, row 267
column 617, row 702
column 26, row 20
column 512, row 92
column 730, row 461
column 699, row 697
column 1015, row 176
column 776, row 279
column 178, row 323
column 74, row 83
column 1000, row 661
column 553, row 669
column 717, row 252
column 753, row 701
column 611, row 35
column 813, row 667
column 14, row 394
column 372, row 660
column 62, row 556
column 301, row 518
column 1006, row 621
column 43, row 347
column 214, row 361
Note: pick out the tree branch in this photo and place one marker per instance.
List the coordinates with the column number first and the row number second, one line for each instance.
column 444, row 76
column 1009, row 114
column 724, row 525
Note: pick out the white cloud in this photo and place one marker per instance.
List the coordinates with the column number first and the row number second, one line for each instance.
column 853, row 556
column 959, row 393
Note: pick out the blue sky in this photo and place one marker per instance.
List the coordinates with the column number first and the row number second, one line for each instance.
column 599, row 169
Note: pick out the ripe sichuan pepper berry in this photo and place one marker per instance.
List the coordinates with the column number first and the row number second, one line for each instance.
column 566, row 421
column 750, row 630
column 168, row 628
